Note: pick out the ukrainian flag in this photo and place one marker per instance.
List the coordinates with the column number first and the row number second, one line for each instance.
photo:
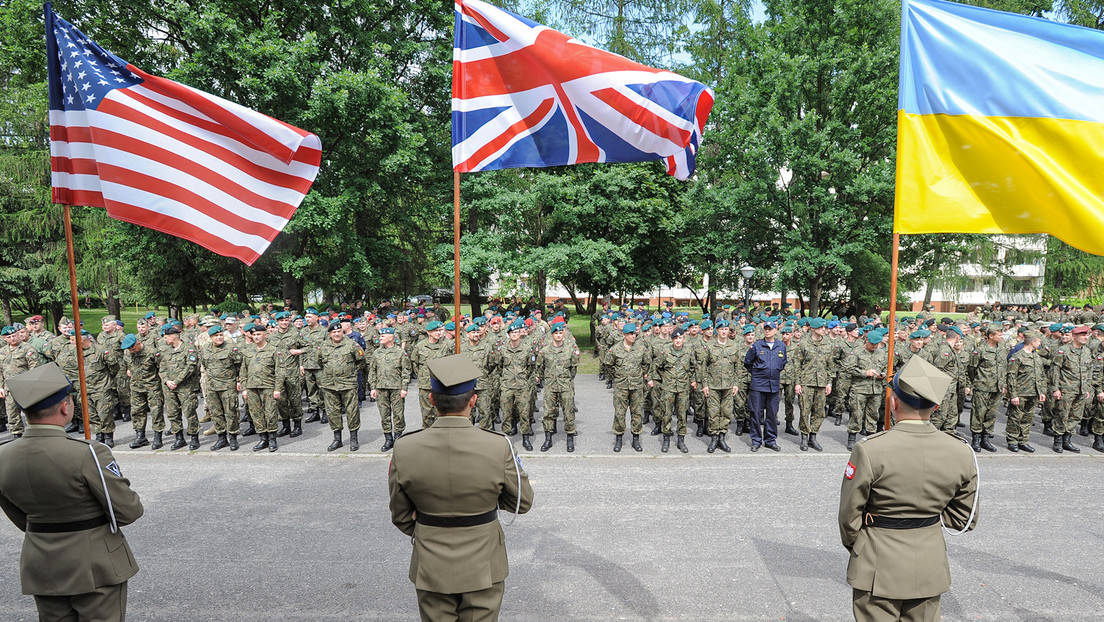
column 1000, row 126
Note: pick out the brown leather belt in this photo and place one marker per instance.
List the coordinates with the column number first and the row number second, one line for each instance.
column 456, row 521
column 77, row 525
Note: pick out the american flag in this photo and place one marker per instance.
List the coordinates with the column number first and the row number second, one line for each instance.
column 162, row 155
column 526, row 95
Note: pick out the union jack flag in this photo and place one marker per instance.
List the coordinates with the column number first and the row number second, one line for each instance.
column 526, row 95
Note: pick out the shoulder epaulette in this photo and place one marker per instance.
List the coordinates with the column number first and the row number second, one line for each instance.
column 86, row 441
column 495, row 432
column 875, row 435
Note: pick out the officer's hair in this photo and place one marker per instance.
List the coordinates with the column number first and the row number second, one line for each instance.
column 45, row 413
column 449, row 404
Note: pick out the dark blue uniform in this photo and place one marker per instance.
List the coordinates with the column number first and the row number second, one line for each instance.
column 765, row 364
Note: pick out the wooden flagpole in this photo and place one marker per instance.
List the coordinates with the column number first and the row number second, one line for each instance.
column 76, row 320
column 456, row 258
column 892, row 319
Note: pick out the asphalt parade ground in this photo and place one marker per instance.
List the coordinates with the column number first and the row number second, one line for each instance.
column 302, row 534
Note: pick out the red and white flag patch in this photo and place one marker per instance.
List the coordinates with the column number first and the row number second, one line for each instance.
column 849, row 472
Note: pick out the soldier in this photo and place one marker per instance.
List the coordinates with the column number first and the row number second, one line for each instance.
column 314, row 335
column 987, row 374
column 949, row 361
column 341, row 360
column 291, row 346
column 867, row 368
column 720, row 384
column 556, row 366
column 740, row 412
column 813, row 362
column 1027, row 388
column 39, row 338
column 261, row 379
column 1072, row 383
column 387, row 374
column 75, row 560
column 109, row 339
column 483, row 354
column 676, row 366
column 179, row 368
column 430, row 348
column 222, row 362
column 898, row 487
column 630, row 366
column 765, row 361
column 15, row 359
column 518, row 361
column 449, row 509
column 140, row 364
column 788, row 378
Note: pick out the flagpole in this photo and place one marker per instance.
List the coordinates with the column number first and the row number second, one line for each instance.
column 892, row 318
column 456, row 258
column 76, row 320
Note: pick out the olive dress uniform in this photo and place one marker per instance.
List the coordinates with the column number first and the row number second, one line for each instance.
column 446, row 485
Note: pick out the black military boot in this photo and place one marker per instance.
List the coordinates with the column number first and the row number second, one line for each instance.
column 233, row 442
column 636, row 443
column 714, row 439
column 1014, row 448
column 1024, row 447
column 839, row 419
column 322, row 415
column 180, row 442
column 354, row 440
column 263, row 443
column 99, row 437
column 701, row 429
column 570, row 443
column 126, row 413
column 601, row 375
column 547, row 441
column 249, row 429
column 297, row 428
column 272, row 445
column 814, row 444
column 1098, row 442
column 1084, row 431
column 739, row 429
column 850, row 441
column 388, row 441
column 285, row 429
column 556, row 428
column 790, row 429
column 140, row 440
column 1057, row 447
column 747, row 426
column 680, row 442
column 975, row 442
column 722, row 444
column 109, row 439
column 658, row 428
column 312, row 415
column 158, row 443
column 194, row 445
column 647, row 417
column 804, row 446
column 609, row 383
column 336, row 444
column 526, row 443
column 69, row 429
column 617, row 443
column 118, row 414
column 1048, row 428
column 1067, row 443
column 665, row 446
column 221, row 442
column 985, row 444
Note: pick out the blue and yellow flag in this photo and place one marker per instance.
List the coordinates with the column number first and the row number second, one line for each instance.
column 1000, row 125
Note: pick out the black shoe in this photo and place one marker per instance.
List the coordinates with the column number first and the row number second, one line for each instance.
column 850, row 441
column 739, row 429
column 109, row 439
column 1013, row 448
column 249, row 430
column 773, row 447
column 1024, row 447
column 814, row 444
column 388, row 441
column 194, row 445
column 714, row 440
column 1098, row 442
column 547, row 441
column 272, row 445
column 158, row 443
column 617, row 443
column 570, row 443
column 790, row 429
column 747, row 427
column 680, row 442
column 701, row 429
column 263, row 443
column 297, row 428
column 140, row 440
column 180, row 442
column 1067, row 443
column 755, row 447
column 526, row 443
column 658, row 429
column 601, row 376
column 69, row 429
column 722, row 444
column 285, row 429
column 804, row 446
column 99, row 437
column 665, row 446
column 354, row 440
column 975, row 442
column 322, row 416
column 233, row 442
column 1057, row 446
column 220, row 443
column 1084, row 431
column 863, row 432
column 1048, row 429
column 647, row 417
column 839, row 420
column 960, row 425
column 312, row 416
column 336, row 444
column 985, row 444
column 609, row 384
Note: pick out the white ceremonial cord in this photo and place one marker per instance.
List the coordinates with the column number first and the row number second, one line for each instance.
column 110, row 509
column 973, row 509
column 517, row 469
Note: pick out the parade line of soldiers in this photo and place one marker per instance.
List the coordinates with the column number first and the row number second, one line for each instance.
column 265, row 374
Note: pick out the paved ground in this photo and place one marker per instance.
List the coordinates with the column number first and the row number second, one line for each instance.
column 305, row 535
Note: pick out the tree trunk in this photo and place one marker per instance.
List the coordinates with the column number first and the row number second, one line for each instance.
column 814, row 297
column 474, row 298
column 113, row 306
column 55, row 311
column 240, row 292
column 574, row 298
column 542, row 287
column 711, row 299
column 928, row 286
column 6, row 306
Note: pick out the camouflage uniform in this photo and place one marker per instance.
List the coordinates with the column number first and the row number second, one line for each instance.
column 1026, row 380
column 815, row 367
column 987, row 373
column 314, row 336
column 556, row 367
column 486, row 358
column 677, row 368
column 339, row 364
column 262, row 372
column 222, row 364
column 720, row 371
column 1072, row 373
column 182, row 367
column 517, row 368
column 290, row 405
column 866, row 392
column 425, row 352
column 630, row 369
column 14, row 361
column 948, row 361
column 388, row 371
column 146, row 397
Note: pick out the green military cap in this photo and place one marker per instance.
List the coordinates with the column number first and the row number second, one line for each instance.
column 337, row 326
column 474, row 327
column 387, row 330
column 248, row 327
column 455, row 374
column 1055, row 327
column 951, row 328
column 1098, row 327
column 786, row 329
column 817, row 322
column 629, row 328
column 107, row 319
column 749, row 329
column 128, row 341
column 874, row 337
column 706, row 324
column 450, row 325
column 214, row 330
column 919, row 384
column 558, row 327
column 917, row 334
column 7, row 330
column 40, row 388
column 281, row 315
column 434, row 325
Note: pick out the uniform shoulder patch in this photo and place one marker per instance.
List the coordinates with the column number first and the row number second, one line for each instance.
column 849, row 470
column 114, row 468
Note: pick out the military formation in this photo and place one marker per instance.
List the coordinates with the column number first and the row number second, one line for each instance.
column 268, row 374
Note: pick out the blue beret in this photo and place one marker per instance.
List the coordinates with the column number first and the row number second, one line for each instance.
column 150, row 315
column 7, row 330
column 705, row 316
column 434, row 325
column 387, row 330
column 706, row 324
column 450, row 325
column 128, row 342
column 281, row 315
column 874, row 337
column 629, row 328
column 832, row 324
column 214, row 330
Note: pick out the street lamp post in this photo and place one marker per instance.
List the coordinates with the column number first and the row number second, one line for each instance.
column 747, row 272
